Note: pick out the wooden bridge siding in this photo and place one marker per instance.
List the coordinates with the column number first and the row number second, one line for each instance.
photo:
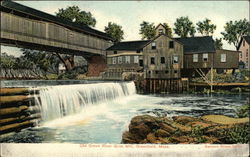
column 45, row 33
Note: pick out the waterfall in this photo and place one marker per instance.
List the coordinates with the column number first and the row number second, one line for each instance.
column 58, row 101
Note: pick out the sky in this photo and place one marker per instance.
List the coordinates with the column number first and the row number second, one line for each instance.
column 129, row 14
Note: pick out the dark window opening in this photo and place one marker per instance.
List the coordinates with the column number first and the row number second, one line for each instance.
column 115, row 52
column 166, row 71
column 243, row 42
column 171, row 44
column 149, row 72
column 138, row 51
column 156, row 72
column 162, row 60
column 152, row 60
column 141, row 62
column 175, row 71
column 153, row 45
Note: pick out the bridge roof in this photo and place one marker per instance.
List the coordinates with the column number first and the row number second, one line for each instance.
column 51, row 18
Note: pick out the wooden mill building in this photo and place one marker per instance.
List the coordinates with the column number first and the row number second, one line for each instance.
column 200, row 54
column 161, row 57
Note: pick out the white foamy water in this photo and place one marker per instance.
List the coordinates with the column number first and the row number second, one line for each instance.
column 64, row 100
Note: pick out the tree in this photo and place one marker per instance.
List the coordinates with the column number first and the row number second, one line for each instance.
column 147, row 30
column 235, row 30
column 168, row 29
column 39, row 59
column 115, row 31
column 74, row 14
column 218, row 43
column 184, row 27
column 205, row 27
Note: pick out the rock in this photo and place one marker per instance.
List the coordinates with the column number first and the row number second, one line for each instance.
column 211, row 129
column 200, row 124
column 221, row 119
column 141, row 130
column 183, row 119
column 151, row 138
column 182, row 139
column 164, row 140
column 162, row 133
column 167, row 128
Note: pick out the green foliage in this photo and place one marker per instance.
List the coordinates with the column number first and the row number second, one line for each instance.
column 73, row 73
column 147, row 30
column 236, row 134
column 115, row 31
column 243, row 111
column 218, row 43
column 184, row 27
column 7, row 61
column 205, row 27
column 168, row 30
column 197, row 133
column 235, row 30
column 74, row 14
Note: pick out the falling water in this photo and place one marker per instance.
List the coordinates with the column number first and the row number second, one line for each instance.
column 63, row 100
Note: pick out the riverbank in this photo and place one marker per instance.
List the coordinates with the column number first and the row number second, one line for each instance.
column 212, row 129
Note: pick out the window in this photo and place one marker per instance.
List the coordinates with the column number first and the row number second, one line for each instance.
column 175, row 60
column 162, row 60
column 114, row 60
column 160, row 31
column 115, row 52
column 153, row 45
column 156, row 71
column 120, row 60
column 175, row 71
column 141, row 62
column 138, row 51
column 166, row 71
column 223, row 58
column 149, row 72
column 195, row 57
column 205, row 57
column 171, row 44
column 152, row 60
column 247, row 53
column 240, row 54
column 127, row 59
column 136, row 59
column 243, row 43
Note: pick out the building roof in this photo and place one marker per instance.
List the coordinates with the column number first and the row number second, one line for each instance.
column 9, row 5
column 197, row 44
column 247, row 39
column 129, row 45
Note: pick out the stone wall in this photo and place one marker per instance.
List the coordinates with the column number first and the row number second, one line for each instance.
column 96, row 65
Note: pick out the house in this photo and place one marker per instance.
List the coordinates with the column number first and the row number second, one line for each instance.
column 124, row 57
column 244, row 55
column 200, row 54
column 161, row 57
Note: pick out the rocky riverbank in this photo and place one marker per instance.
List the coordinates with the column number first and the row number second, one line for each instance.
column 213, row 129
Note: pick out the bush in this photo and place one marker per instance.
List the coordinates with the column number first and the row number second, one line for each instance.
column 243, row 111
column 72, row 74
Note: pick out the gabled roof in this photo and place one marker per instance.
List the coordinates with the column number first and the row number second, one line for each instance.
column 247, row 39
column 129, row 45
column 9, row 5
column 197, row 44
column 159, row 26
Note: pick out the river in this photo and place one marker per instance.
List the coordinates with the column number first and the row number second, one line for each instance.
column 99, row 112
